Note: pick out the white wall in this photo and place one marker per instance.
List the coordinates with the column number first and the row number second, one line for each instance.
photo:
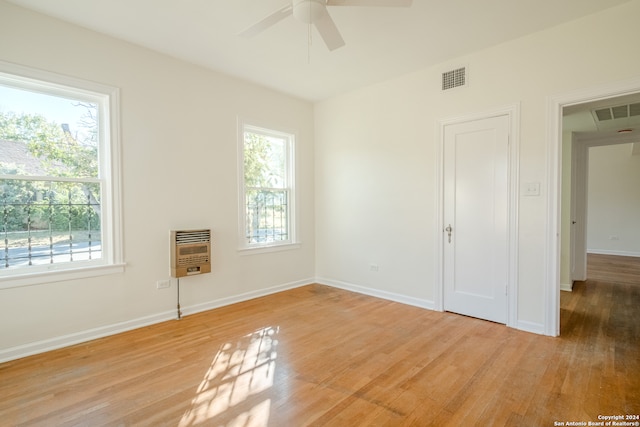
column 179, row 126
column 376, row 157
column 613, row 211
column 375, row 169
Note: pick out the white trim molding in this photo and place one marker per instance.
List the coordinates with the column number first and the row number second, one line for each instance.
column 533, row 327
column 613, row 252
column 62, row 341
column 234, row 299
column 566, row 287
column 107, row 98
column 386, row 295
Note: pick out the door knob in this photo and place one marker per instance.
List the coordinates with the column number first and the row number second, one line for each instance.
column 449, row 230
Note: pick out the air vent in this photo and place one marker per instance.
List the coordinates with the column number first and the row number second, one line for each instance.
column 604, row 114
column 193, row 236
column 618, row 112
column 454, row 78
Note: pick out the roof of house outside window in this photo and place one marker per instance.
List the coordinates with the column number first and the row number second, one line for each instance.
column 16, row 153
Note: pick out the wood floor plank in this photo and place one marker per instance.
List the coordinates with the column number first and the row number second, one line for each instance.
column 316, row 356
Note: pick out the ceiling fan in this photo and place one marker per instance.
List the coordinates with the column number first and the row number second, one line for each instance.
column 315, row 12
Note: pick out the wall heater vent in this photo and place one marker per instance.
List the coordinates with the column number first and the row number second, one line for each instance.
column 190, row 252
column 454, row 78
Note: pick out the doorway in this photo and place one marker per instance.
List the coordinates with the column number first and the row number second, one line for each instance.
column 583, row 146
column 557, row 107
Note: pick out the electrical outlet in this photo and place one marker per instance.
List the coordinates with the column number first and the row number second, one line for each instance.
column 163, row 284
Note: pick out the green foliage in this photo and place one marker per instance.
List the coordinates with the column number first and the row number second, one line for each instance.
column 264, row 161
column 265, row 188
column 256, row 156
column 27, row 127
column 40, row 205
column 58, row 151
column 14, row 194
column 27, row 204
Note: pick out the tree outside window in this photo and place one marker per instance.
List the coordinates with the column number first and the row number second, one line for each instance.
column 54, row 175
column 267, row 176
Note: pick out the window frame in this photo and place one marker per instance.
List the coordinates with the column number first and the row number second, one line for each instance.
column 107, row 97
column 289, row 136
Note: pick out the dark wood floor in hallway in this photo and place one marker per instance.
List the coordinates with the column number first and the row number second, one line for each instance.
column 323, row 356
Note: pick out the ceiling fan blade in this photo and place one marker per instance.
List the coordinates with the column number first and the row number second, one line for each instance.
column 267, row 22
column 328, row 30
column 371, row 3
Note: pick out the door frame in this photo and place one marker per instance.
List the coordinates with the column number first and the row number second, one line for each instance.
column 578, row 214
column 513, row 113
column 555, row 105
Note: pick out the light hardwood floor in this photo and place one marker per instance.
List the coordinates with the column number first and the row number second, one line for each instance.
column 322, row 356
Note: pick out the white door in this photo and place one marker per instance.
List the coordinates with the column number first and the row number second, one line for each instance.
column 476, row 222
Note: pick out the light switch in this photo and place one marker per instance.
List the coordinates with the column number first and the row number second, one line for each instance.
column 532, row 189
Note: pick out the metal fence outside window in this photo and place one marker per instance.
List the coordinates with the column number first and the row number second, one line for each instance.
column 47, row 222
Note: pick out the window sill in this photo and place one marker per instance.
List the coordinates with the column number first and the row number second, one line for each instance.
column 267, row 249
column 39, row 278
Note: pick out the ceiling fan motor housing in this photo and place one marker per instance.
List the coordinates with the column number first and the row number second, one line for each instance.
column 308, row 11
column 315, row 12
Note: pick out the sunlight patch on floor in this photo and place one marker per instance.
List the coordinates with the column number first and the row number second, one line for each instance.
column 239, row 374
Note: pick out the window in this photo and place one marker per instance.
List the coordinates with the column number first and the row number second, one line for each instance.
column 267, row 187
column 59, row 210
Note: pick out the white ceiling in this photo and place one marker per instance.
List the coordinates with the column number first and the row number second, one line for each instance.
column 381, row 43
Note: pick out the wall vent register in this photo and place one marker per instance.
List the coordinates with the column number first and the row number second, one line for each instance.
column 454, row 78
column 617, row 112
column 190, row 252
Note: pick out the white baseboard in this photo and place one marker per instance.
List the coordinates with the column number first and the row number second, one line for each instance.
column 612, row 252
column 533, row 327
column 567, row 287
column 100, row 332
column 55, row 343
column 523, row 325
column 391, row 296
column 210, row 305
